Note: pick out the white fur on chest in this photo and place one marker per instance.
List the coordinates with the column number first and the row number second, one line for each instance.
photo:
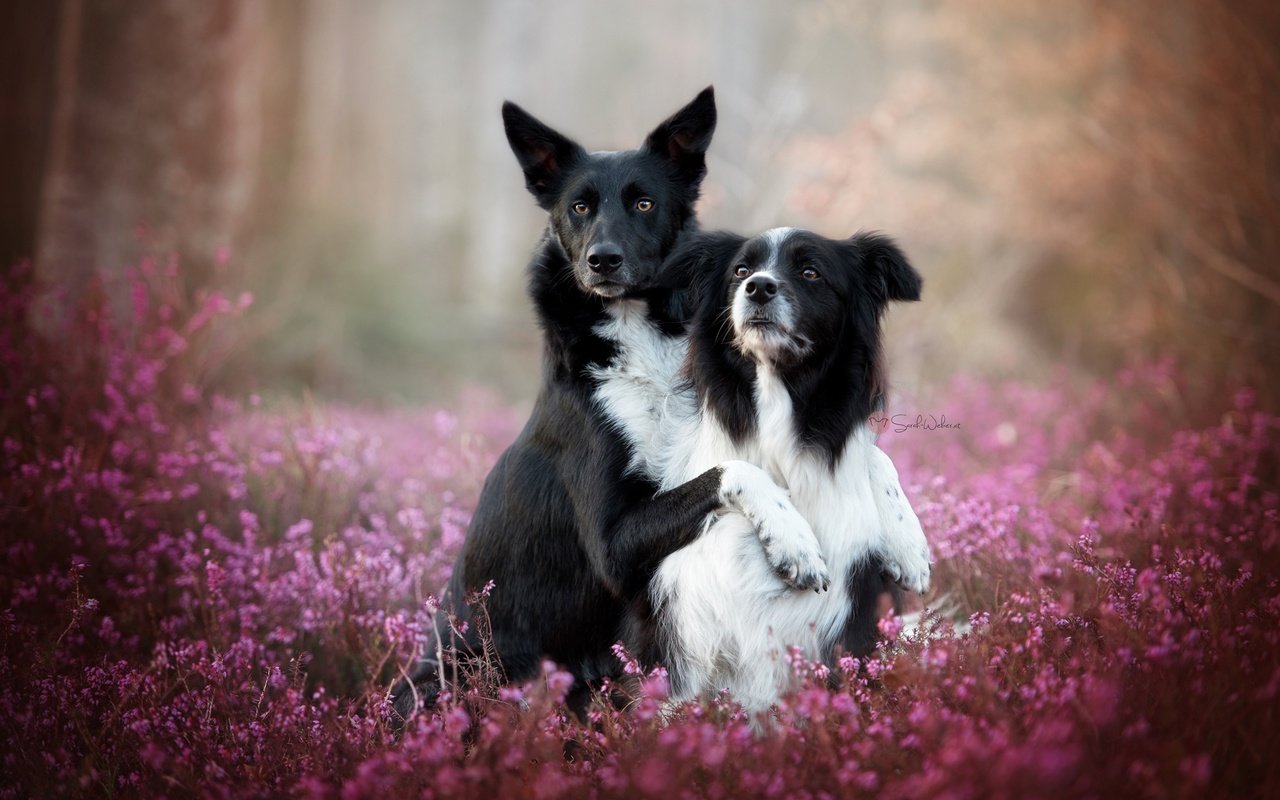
column 634, row 389
column 730, row 620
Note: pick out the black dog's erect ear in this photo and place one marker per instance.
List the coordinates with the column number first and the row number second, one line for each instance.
column 685, row 136
column 544, row 154
column 882, row 257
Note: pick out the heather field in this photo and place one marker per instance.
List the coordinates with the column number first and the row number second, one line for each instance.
column 211, row 596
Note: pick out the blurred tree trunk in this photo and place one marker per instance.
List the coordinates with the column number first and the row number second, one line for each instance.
column 29, row 34
column 504, row 47
column 154, row 135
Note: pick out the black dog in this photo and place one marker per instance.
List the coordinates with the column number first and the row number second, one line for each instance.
column 567, row 527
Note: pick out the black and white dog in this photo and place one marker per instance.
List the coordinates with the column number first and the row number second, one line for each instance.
column 567, row 532
column 784, row 369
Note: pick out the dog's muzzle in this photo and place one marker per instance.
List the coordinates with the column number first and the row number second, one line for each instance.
column 764, row 321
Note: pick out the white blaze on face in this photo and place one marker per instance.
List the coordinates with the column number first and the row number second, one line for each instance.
column 768, row 342
column 775, row 237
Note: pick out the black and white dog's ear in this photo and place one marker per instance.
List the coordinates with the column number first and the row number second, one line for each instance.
column 544, row 154
column 887, row 265
column 685, row 136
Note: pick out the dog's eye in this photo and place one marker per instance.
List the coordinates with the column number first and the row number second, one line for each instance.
column 644, row 205
column 580, row 208
column 810, row 274
column 741, row 271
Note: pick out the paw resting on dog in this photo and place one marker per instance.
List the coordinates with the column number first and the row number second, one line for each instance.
column 790, row 546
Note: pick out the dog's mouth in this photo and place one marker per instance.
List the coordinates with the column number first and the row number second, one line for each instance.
column 766, row 340
column 618, row 283
column 760, row 334
column 608, row 288
column 771, row 317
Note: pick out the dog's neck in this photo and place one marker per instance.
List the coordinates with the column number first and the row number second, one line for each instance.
column 832, row 391
column 571, row 315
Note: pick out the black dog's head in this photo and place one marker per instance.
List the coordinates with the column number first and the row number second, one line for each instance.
column 616, row 214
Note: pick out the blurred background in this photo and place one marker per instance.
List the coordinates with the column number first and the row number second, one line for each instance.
column 1083, row 185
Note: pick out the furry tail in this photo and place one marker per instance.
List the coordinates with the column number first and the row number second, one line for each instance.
column 871, row 593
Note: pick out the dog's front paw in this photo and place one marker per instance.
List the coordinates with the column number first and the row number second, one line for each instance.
column 904, row 549
column 792, row 550
column 911, row 567
column 790, row 547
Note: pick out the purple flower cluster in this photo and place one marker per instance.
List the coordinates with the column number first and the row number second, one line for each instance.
column 205, row 597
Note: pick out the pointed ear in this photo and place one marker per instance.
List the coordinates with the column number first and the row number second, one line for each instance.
column 881, row 257
column 685, row 136
column 544, row 154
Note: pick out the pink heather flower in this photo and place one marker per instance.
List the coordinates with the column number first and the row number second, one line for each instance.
column 215, row 577
column 456, row 722
column 298, row 530
column 558, row 681
column 890, row 626
column 656, row 685
column 246, row 655
column 653, row 776
column 511, row 694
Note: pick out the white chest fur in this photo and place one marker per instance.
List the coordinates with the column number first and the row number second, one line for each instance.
column 636, row 389
column 729, row 618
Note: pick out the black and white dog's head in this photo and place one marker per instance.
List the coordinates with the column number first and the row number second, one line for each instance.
column 801, row 306
column 793, row 294
column 616, row 214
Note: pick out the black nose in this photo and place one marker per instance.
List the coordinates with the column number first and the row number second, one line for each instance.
column 604, row 258
column 761, row 288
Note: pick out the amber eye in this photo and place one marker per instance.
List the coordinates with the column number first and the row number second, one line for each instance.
column 741, row 271
column 644, row 205
column 809, row 273
column 580, row 208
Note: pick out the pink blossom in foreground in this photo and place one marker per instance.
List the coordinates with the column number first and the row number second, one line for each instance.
column 213, row 598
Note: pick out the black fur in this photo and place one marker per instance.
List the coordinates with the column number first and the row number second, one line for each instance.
column 565, row 535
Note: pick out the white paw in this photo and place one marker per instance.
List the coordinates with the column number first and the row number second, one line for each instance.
column 903, row 548
column 793, row 552
column 789, row 545
column 910, row 567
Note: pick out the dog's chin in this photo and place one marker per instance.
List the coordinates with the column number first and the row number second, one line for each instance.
column 609, row 289
column 768, row 342
column 626, row 282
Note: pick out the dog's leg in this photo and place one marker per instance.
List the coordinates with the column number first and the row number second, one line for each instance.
column 627, row 542
column 903, row 547
column 789, row 543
